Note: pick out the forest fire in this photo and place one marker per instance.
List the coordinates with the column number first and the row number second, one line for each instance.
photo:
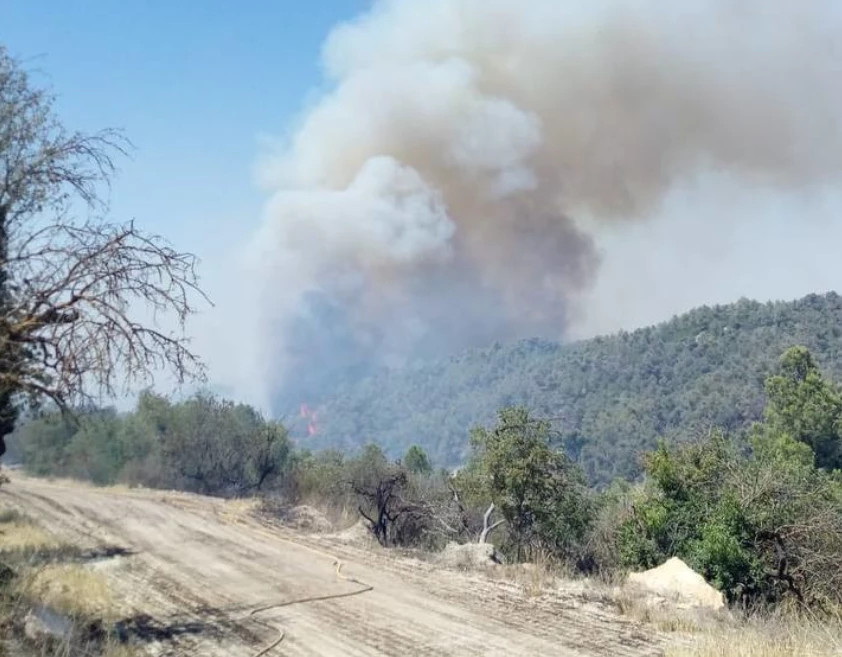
column 312, row 418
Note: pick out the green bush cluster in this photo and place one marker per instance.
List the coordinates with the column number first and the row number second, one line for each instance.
column 203, row 444
column 763, row 523
column 538, row 490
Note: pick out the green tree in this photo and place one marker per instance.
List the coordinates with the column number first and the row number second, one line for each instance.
column 539, row 491
column 204, row 444
column 95, row 453
column 690, row 509
column 219, row 447
column 140, row 435
column 380, row 487
column 416, row 461
column 44, row 443
column 805, row 406
column 618, row 394
column 761, row 526
column 318, row 477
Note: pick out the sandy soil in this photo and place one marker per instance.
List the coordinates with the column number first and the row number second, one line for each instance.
column 191, row 571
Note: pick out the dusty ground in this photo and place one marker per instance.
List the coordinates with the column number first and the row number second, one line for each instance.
column 190, row 571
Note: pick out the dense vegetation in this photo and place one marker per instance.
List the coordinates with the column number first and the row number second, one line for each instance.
column 204, row 444
column 763, row 523
column 610, row 398
column 760, row 514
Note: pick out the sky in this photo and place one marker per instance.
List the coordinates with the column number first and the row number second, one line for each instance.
column 202, row 89
column 197, row 87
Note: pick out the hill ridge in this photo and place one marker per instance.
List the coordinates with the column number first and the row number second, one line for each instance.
column 617, row 393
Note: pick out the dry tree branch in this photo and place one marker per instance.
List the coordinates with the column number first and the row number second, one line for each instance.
column 75, row 295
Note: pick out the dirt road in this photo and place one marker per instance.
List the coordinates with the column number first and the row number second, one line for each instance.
column 193, row 571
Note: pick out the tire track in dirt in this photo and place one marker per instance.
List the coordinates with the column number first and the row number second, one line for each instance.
column 589, row 627
column 196, row 570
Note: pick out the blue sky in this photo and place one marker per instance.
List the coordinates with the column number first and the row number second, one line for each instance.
column 197, row 87
column 193, row 84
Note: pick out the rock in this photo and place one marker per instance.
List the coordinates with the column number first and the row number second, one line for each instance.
column 42, row 624
column 34, row 629
column 676, row 581
column 469, row 555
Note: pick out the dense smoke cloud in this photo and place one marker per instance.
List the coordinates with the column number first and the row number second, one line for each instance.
column 446, row 189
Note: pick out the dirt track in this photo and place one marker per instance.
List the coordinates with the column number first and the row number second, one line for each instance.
column 196, row 567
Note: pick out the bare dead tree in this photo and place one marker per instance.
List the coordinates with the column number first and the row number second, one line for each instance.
column 381, row 503
column 80, row 299
column 270, row 454
column 486, row 527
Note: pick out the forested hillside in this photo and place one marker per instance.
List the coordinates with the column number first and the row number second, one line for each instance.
column 610, row 397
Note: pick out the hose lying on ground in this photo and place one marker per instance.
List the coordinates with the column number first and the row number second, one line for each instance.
column 365, row 588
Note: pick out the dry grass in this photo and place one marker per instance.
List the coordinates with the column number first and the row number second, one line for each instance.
column 45, row 578
column 19, row 534
column 116, row 649
column 777, row 636
column 69, row 482
column 533, row 579
column 25, row 536
column 238, row 509
column 665, row 617
column 67, row 588
column 340, row 511
column 70, row 589
column 706, row 633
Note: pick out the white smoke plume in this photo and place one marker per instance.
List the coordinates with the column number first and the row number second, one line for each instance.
column 447, row 187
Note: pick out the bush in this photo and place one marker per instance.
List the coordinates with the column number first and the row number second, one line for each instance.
column 203, row 444
column 540, row 492
column 762, row 527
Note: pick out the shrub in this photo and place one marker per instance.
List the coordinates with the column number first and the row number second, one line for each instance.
column 540, row 492
column 761, row 527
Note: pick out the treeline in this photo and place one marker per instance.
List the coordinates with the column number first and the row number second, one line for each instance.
column 760, row 516
column 204, row 444
column 613, row 397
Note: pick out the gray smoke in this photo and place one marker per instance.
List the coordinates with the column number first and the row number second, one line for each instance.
column 445, row 191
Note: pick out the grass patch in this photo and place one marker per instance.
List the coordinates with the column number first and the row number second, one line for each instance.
column 9, row 515
column 666, row 617
column 70, row 589
column 39, row 572
column 25, row 536
column 777, row 636
column 115, row 649
column 20, row 536
column 533, row 579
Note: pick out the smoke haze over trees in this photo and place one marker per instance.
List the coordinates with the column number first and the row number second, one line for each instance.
column 448, row 187
column 611, row 397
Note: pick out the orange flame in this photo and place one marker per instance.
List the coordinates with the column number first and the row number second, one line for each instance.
column 312, row 418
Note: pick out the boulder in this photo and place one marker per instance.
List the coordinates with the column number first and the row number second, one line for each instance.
column 42, row 624
column 676, row 581
column 469, row 555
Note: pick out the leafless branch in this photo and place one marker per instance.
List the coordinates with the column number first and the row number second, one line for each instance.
column 83, row 303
